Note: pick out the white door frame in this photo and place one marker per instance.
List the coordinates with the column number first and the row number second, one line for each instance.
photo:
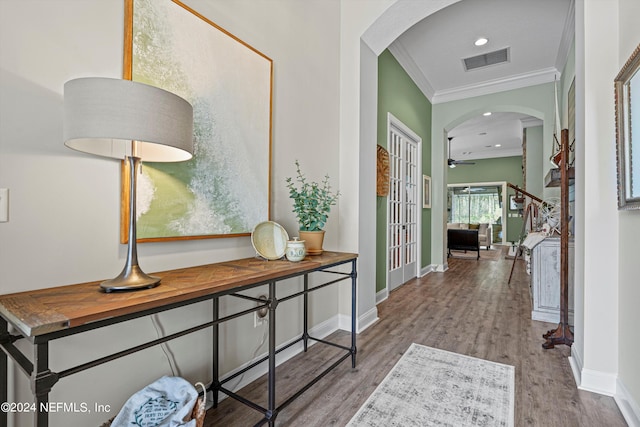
column 394, row 123
column 505, row 201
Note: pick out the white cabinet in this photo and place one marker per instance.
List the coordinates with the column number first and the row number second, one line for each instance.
column 545, row 280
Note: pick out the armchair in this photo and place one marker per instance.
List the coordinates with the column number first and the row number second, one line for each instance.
column 485, row 235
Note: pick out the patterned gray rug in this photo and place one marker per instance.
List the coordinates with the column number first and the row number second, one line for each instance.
column 432, row 387
column 485, row 255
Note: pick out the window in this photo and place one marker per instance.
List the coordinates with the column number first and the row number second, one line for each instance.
column 475, row 204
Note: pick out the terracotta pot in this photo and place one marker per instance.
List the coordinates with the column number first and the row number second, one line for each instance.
column 313, row 241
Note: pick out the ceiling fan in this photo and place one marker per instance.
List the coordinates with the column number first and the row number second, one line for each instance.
column 453, row 163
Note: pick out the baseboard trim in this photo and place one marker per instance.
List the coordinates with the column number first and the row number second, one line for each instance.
column 366, row 320
column 320, row 331
column 590, row 380
column 601, row 383
column 549, row 316
column 428, row 269
column 382, row 295
column 576, row 366
column 344, row 322
column 598, row 382
column 441, row 268
column 628, row 406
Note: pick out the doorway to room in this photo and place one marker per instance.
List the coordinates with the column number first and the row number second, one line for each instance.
column 403, row 221
column 477, row 203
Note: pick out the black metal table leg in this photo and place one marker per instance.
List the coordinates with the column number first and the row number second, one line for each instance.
column 4, row 365
column 353, row 313
column 271, row 404
column 305, row 320
column 215, row 385
column 42, row 381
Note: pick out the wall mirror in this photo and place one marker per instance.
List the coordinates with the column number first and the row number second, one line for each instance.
column 627, row 100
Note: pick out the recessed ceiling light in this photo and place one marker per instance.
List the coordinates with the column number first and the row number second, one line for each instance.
column 481, row 41
column 498, row 145
column 488, row 113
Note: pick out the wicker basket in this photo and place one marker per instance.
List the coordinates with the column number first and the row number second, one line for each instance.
column 198, row 413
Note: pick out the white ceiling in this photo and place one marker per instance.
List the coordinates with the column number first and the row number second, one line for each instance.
column 538, row 34
column 498, row 135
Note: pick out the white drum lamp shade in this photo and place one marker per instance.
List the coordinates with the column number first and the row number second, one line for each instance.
column 102, row 116
column 122, row 119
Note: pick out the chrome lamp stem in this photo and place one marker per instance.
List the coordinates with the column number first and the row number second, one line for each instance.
column 132, row 277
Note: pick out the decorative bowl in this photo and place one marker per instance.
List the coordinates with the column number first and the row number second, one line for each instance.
column 269, row 239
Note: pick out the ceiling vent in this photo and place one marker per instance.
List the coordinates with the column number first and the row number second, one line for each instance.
column 487, row 59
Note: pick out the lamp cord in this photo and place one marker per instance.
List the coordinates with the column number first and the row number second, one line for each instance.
column 165, row 348
column 265, row 321
column 171, row 358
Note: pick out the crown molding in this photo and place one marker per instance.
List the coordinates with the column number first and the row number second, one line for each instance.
column 531, row 121
column 568, row 35
column 520, row 81
column 490, row 154
column 405, row 60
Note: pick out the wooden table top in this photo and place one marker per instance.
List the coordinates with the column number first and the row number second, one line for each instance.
column 43, row 311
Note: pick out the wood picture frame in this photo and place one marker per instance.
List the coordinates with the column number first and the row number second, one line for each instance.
column 627, row 106
column 513, row 204
column 224, row 191
column 426, row 192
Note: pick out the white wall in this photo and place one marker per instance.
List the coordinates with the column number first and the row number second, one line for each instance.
column 605, row 353
column 596, row 342
column 358, row 118
column 628, row 392
column 64, row 218
column 535, row 160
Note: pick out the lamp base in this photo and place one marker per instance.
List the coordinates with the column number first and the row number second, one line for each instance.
column 132, row 278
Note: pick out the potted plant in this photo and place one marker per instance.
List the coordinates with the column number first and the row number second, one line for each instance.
column 312, row 202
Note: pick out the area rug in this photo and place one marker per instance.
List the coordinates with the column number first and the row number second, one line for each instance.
column 432, row 387
column 487, row 255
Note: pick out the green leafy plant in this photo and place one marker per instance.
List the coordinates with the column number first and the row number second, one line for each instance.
column 312, row 201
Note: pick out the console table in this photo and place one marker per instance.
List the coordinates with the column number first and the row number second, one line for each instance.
column 44, row 315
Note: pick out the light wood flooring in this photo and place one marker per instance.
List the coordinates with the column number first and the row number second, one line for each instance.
column 470, row 309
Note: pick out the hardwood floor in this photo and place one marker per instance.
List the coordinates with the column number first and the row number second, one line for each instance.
column 470, row 309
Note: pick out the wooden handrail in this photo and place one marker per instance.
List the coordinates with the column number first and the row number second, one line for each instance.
column 526, row 193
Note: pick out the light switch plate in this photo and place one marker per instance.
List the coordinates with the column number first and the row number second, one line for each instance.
column 4, row 204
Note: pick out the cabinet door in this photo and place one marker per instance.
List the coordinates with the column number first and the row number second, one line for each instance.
column 549, row 282
column 545, row 281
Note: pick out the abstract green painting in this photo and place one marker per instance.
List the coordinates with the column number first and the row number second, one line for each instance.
column 224, row 190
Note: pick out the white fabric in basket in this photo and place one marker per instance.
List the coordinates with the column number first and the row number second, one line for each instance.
column 168, row 402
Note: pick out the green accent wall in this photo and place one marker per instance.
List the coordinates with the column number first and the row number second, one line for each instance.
column 399, row 95
column 535, row 161
column 507, row 169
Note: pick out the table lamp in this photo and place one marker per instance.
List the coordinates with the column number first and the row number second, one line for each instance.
column 131, row 121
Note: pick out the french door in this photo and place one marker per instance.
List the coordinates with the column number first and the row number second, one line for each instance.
column 402, row 215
